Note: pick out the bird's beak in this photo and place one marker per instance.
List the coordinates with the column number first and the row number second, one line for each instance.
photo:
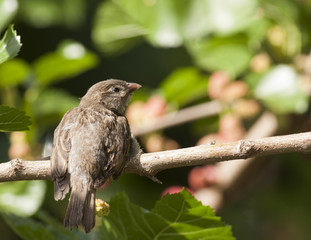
column 133, row 86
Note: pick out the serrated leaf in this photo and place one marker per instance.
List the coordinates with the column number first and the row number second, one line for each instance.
column 13, row 119
column 184, row 85
column 69, row 60
column 22, row 198
column 176, row 216
column 10, row 45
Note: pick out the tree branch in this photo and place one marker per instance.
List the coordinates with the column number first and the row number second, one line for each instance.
column 18, row 169
column 152, row 163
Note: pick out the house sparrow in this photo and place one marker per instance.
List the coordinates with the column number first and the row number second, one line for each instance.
column 91, row 145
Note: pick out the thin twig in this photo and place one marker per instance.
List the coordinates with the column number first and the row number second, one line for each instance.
column 153, row 163
column 179, row 117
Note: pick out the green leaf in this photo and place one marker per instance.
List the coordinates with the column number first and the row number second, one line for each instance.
column 184, row 85
column 8, row 9
column 168, row 23
column 60, row 232
column 51, row 105
column 253, row 79
column 161, row 19
column 279, row 89
column 22, row 198
column 42, row 14
column 10, row 45
column 13, row 119
column 69, row 60
column 256, row 32
column 27, row 228
column 229, row 54
column 13, row 72
column 54, row 101
column 286, row 15
column 177, row 216
column 217, row 17
column 113, row 30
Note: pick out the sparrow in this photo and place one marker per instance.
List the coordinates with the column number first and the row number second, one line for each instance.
column 92, row 145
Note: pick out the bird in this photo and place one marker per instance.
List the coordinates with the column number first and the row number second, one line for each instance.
column 91, row 146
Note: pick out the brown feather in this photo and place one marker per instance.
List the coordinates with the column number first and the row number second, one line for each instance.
column 91, row 145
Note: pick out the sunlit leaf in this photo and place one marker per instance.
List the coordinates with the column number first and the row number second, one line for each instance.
column 22, row 198
column 8, row 9
column 13, row 119
column 257, row 32
column 113, row 30
column 279, row 89
column 225, row 54
column 70, row 13
column 177, row 216
column 285, row 37
column 10, row 45
column 69, row 60
column 280, row 10
column 160, row 18
column 218, row 17
column 184, row 85
column 168, row 23
column 13, row 72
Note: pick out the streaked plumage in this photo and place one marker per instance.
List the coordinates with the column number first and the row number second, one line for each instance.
column 91, row 145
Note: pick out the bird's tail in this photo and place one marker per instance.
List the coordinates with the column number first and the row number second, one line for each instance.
column 81, row 209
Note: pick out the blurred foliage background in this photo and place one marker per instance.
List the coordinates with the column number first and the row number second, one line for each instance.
column 251, row 56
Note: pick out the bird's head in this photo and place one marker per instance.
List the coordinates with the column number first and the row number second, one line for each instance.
column 112, row 94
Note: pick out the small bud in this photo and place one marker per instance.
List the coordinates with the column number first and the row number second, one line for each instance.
column 217, row 83
column 155, row 107
column 233, row 91
column 260, row 63
column 102, row 208
column 276, row 36
column 246, row 108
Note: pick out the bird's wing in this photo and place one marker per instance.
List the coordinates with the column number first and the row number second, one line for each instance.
column 123, row 146
column 116, row 141
column 60, row 154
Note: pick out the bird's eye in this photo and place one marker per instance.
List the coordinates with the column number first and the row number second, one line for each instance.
column 116, row 89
